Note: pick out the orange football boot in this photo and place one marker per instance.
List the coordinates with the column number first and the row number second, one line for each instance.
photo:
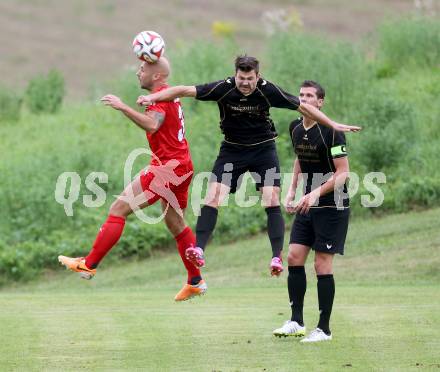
column 189, row 291
column 77, row 264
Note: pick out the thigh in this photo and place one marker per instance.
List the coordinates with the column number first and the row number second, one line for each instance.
column 132, row 198
column 270, row 196
column 144, row 190
column 302, row 232
column 181, row 191
column 330, row 225
column 216, row 194
column 232, row 161
column 265, row 166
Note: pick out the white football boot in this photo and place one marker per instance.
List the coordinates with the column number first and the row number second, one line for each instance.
column 290, row 328
column 317, row 335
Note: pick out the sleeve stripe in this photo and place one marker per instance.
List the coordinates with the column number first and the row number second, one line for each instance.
column 284, row 96
column 224, row 95
column 220, row 82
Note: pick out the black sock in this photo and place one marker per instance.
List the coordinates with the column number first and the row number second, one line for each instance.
column 326, row 294
column 205, row 225
column 275, row 229
column 195, row 280
column 297, row 285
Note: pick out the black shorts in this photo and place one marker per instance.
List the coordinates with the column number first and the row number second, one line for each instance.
column 323, row 229
column 233, row 161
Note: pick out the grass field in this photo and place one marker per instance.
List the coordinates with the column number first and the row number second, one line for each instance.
column 386, row 313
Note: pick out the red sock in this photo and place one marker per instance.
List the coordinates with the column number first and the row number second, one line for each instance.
column 185, row 240
column 108, row 236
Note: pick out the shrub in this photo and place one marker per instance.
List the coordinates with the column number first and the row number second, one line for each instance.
column 10, row 105
column 45, row 93
column 410, row 41
column 389, row 130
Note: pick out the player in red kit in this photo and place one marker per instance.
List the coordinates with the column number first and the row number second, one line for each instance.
column 167, row 179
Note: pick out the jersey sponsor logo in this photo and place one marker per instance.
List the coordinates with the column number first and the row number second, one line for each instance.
column 250, row 109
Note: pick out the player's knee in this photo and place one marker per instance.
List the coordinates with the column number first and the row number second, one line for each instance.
column 214, row 199
column 295, row 258
column 175, row 226
column 119, row 208
column 323, row 264
column 271, row 197
column 213, row 203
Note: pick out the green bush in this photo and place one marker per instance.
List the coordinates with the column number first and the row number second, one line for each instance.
column 410, row 41
column 10, row 105
column 389, row 130
column 46, row 93
column 339, row 67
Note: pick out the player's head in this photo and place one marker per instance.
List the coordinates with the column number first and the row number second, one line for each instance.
column 312, row 93
column 247, row 73
column 151, row 75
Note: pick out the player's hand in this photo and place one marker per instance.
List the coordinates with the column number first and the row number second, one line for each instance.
column 289, row 202
column 113, row 101
column 307, row 201
column 145, row 101
column 347, row 128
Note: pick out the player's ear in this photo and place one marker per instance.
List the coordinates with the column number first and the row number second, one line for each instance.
column 320, row 102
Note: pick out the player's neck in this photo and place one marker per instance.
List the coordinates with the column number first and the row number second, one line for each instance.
column 158, row 86
column 308, row 123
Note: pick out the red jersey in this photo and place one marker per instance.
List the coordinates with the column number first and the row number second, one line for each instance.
column 169, row 141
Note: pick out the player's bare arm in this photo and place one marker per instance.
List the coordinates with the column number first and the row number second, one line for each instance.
column 290, row 197
column 317, row 115
column 150, row 121
column 337, row 180
column 168, row 94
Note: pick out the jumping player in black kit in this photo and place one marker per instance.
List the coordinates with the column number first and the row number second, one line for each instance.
column 322, row 214
column 249, row 145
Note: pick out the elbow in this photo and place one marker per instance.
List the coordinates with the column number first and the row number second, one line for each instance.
column 151, row 128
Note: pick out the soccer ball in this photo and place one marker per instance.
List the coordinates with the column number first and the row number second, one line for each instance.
column 148, row 46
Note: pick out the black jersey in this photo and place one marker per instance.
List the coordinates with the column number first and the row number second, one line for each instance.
column 245, row 120
column 316, row 148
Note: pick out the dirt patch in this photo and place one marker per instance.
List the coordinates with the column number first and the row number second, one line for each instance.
column 90, row 41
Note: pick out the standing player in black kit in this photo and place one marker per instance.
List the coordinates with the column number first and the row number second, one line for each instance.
column 322, row 214
column 249, row 145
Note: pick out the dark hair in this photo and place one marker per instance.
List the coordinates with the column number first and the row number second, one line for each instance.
column 246, row 63
column 320, row 92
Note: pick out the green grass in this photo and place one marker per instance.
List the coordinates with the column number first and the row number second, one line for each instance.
column 386, row 314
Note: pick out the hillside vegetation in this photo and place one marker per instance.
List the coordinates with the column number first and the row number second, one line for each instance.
column 389, row 84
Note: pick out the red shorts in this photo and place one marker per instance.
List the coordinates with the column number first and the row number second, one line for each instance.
column 169, row 182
